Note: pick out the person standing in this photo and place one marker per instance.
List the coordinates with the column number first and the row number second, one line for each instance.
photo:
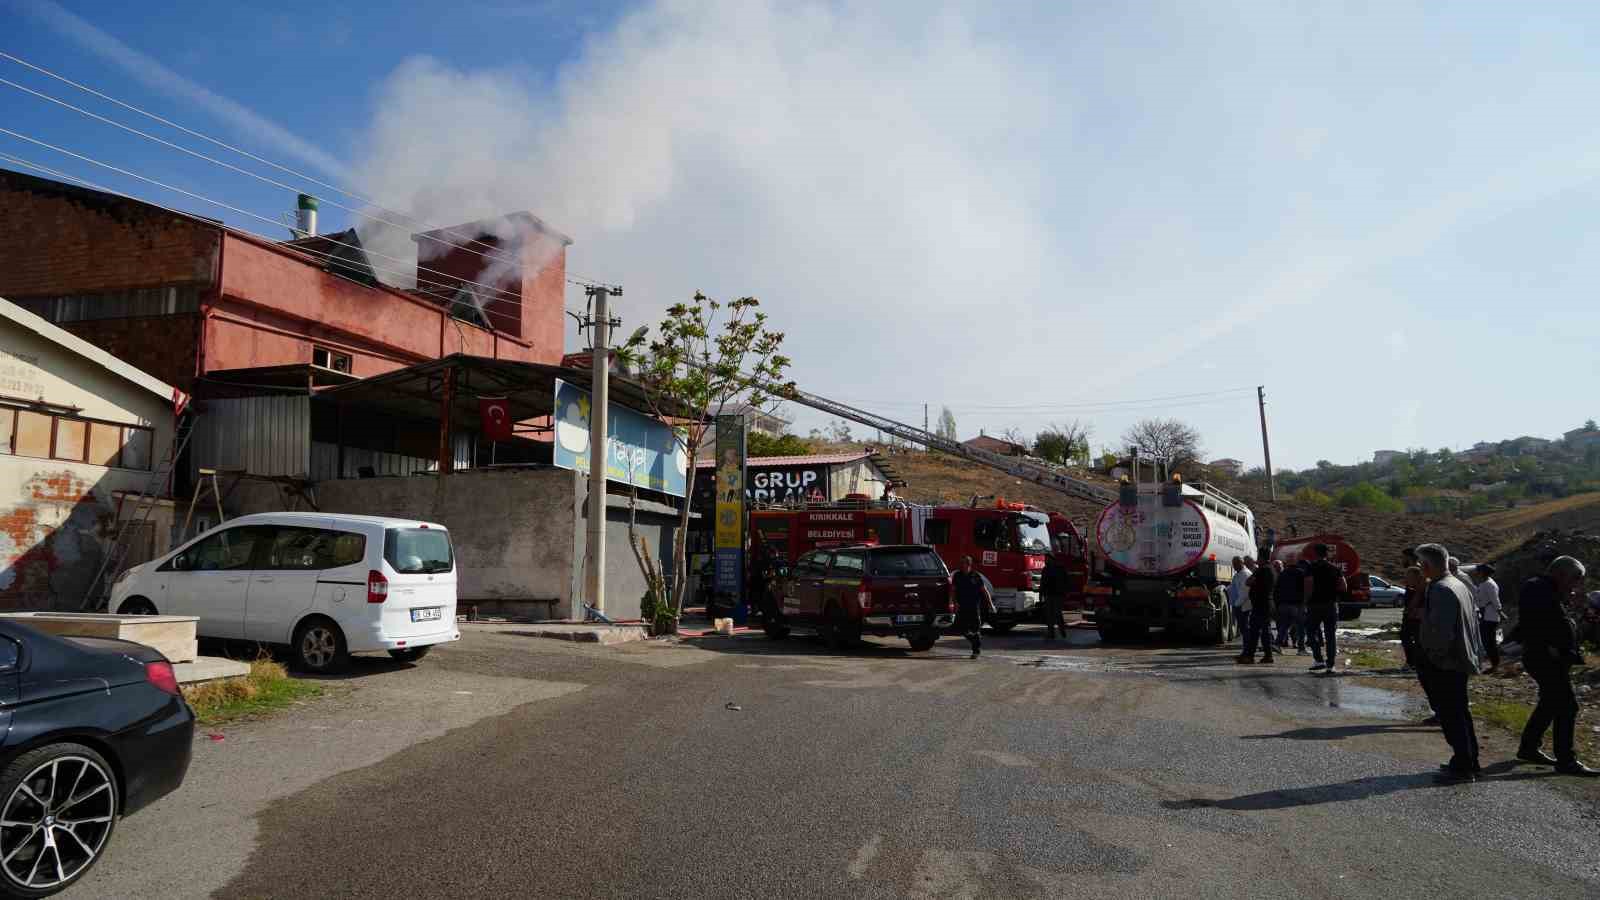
column 1411, row 603
column 1323, row 585
column 1237, row 594
column 1052, row 594
column 1549, row 639
column 973, row 602
column 1262, row 584
column 1451, row 654
column 1487, row 596
column 1290, row 601
column 1280, row 614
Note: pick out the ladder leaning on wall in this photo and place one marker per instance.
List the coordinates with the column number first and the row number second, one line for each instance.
column 132, row 524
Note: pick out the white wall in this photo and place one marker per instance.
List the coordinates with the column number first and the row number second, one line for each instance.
column 56, row 517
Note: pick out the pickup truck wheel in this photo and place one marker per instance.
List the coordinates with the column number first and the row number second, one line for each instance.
column 924, row 640
column 840, row 632
column 1001, row 627
column 775, row 629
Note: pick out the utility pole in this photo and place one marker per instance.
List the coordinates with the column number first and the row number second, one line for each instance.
column 1266, row 448
column 599, row 443
column 924, row 417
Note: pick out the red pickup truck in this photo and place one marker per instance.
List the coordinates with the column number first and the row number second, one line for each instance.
column 843, row 593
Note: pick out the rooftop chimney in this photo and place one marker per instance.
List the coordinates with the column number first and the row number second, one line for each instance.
column 305, row 216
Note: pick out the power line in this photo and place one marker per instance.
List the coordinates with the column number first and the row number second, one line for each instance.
column 571, row 279
column 1061, row 407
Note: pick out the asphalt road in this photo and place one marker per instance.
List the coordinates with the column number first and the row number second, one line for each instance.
column 514, row 766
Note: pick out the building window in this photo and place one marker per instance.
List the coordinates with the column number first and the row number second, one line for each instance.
column 72, row 439
column 26, row 432
column 329, row 359
column 157, row 301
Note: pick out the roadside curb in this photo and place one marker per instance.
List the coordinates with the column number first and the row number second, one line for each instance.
column 605, row 635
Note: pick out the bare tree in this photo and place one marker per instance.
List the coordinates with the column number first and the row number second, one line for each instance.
column 1015, row 438
column 1168, row 440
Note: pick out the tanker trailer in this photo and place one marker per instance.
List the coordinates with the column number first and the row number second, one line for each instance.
column 1167, row 550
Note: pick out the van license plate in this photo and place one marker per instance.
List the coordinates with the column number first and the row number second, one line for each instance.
column 430, row 614
column 908, row 620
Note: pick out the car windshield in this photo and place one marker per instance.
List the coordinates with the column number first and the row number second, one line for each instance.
column 913, row 562
column 1033, row 534
column 418, row 551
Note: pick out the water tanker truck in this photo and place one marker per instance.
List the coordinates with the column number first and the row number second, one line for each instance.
column 1163, row 558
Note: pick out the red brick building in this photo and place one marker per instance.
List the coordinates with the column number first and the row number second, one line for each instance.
column 196, row 304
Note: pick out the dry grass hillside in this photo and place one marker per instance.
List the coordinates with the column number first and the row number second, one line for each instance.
column 1379, row 537
column 1578, row 512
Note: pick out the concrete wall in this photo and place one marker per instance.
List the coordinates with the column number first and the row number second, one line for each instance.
column 57, row 517
column 513, row 530
column 519, row 534
column 656, row 524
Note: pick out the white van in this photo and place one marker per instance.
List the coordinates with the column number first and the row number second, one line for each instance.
column 325, row 585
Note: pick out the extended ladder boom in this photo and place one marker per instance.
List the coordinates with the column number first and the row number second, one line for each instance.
column 1044, row 476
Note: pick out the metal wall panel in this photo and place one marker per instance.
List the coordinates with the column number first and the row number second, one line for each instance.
column 260, row 435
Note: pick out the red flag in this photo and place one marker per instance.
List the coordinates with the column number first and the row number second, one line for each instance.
column 496, row 415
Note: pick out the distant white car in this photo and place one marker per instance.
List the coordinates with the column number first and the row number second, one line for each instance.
column 325, row 585
column 1384, row 593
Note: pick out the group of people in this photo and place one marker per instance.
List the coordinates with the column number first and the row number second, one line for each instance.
column 1300, row 602
column 1450, row 629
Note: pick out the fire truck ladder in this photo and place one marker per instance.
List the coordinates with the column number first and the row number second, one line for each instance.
column 99, row 593
column 1044, row 476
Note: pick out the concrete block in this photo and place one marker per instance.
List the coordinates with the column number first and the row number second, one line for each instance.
column 723, row 626
column 209, row 668
column 174, row 636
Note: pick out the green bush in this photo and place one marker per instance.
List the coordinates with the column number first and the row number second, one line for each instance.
column 1312, row 497
column 1366, row 495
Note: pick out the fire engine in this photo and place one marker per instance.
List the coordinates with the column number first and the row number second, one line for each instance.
column 1007, row 541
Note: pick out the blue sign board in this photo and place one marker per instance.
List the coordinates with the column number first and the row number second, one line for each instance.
column 641, row 451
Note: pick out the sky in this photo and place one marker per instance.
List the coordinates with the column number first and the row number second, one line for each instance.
column 1029, row 213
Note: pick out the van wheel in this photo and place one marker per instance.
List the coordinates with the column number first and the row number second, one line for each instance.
column 319, row 647
column 136, row 606
column 411, row 654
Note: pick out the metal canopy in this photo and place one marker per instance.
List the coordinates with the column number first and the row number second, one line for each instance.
column 416, row 392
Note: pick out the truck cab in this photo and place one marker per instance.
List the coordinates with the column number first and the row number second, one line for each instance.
column 1007, row 542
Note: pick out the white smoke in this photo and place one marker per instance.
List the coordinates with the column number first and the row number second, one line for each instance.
column 840, row 163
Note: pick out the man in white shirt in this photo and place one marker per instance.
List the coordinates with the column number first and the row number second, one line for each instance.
column 1487, row 597
column 1238, row 597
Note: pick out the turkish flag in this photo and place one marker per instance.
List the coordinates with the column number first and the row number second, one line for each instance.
column 496, row 415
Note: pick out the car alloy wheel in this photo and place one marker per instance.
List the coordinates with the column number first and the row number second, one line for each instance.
column 56, row 821
column 318, row 647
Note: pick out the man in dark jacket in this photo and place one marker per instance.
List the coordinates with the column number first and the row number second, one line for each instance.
column 1052, row 594
column 1450, row 653
column 973, row 601
column 1323, row 585
column 1412, row 604
column 1290, row 601
column 1262, row 585
column 1549, row 651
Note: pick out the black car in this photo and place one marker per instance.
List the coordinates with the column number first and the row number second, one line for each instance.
column 93, row 729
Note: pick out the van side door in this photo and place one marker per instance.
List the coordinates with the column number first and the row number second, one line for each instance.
column 285, row 585
column 211, row 579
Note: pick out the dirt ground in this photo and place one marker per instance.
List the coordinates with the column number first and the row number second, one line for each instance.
column 1502, row 699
